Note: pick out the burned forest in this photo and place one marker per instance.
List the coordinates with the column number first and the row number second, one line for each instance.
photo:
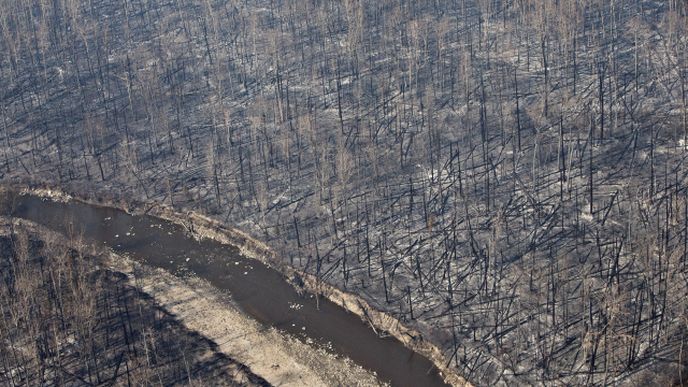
column 506, row 177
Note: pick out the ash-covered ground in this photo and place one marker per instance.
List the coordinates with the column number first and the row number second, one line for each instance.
column 507, row 177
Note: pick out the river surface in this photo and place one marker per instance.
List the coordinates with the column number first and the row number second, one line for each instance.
column 258, row 290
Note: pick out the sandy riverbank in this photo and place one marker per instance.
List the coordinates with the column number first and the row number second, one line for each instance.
column 279, row 358
column 276, row 357
column 204, row 227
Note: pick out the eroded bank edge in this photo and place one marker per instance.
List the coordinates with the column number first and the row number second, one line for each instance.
column 201, row 226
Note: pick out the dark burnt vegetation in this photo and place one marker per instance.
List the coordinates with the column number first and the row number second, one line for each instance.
column 508, row 176
column 64, row 320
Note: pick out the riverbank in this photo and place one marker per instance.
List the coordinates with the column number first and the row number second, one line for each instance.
column 261, row 355
column 204, row 227
column 279, row 358
column 73, row 316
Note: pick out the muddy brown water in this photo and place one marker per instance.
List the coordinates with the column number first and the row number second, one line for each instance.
column 258, row 290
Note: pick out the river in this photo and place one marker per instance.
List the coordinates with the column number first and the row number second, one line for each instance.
column 260, row 291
